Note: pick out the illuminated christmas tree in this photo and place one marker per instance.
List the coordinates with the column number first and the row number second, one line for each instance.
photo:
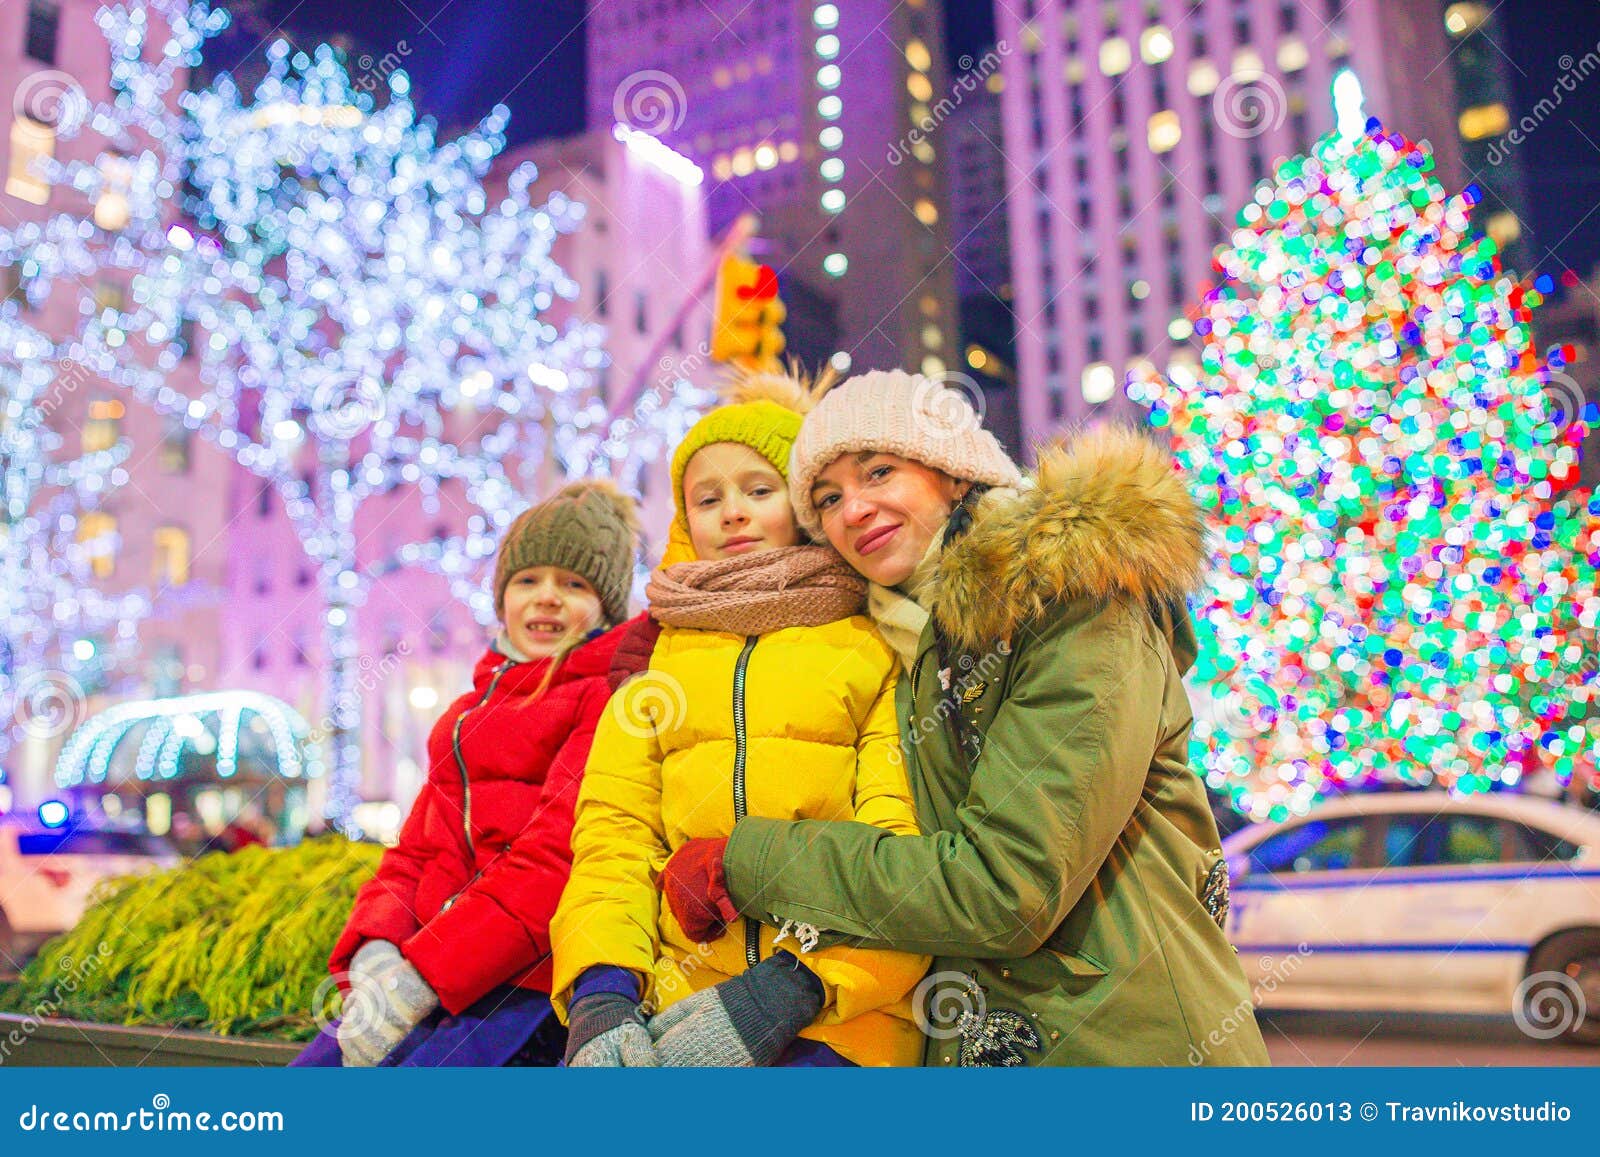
column 1403, row 593
column 321, row 288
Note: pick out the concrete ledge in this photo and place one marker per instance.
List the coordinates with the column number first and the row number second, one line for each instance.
column 85, row 1044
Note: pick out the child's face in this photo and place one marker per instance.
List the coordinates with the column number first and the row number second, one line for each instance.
column 545, row 606
column 736, row 503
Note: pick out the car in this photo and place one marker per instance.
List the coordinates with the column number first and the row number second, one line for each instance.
column 1424, row 902
column 46, row 875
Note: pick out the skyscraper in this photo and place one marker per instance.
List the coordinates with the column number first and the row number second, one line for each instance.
column 802, row 111
column 1135, row 131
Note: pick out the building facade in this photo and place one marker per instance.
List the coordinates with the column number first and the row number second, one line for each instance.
column 1134, row 133
column 805, row 113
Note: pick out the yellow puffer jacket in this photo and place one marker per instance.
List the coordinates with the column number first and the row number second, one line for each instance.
column 820, row 742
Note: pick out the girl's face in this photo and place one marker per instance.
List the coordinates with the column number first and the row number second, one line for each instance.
column 881, row 511
column 545, row 607
column 736, row 503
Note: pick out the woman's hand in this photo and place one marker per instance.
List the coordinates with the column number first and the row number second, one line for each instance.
column 697, row 891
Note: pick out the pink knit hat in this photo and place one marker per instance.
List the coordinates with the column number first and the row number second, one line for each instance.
column 908, row 415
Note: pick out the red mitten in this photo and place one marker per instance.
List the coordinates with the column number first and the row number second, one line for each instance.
column 697, row 891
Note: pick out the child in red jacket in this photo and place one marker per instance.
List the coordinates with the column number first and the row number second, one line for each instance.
column 446, row 956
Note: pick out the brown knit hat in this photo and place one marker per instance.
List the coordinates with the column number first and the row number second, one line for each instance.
column 590, row 528
column 909, row 415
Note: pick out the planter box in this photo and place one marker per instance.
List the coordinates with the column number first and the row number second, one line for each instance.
column 85, row 1044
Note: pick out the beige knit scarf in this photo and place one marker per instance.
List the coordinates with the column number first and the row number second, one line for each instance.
column 794, row 586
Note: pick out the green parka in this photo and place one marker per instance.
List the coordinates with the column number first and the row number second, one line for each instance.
column 1070, row 883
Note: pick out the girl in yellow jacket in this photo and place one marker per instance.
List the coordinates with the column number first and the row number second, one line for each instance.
column 767, row 693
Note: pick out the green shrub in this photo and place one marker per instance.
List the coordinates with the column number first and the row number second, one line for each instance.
column 235, row 944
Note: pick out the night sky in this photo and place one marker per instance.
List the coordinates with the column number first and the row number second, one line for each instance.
column 465, row 55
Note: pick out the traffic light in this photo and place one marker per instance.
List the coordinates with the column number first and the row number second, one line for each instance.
column 747, row 325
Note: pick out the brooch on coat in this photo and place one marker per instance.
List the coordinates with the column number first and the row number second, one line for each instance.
column 997, row 1038
column 1215, row 893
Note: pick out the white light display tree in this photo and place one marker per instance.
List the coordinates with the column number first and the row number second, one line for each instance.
column 324, row 290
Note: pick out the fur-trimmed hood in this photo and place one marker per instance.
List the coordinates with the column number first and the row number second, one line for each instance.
column 1105, row 514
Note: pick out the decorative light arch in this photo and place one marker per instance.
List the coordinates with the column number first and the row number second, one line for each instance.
column 172, row 724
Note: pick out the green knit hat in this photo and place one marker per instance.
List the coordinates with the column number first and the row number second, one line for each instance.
column 590, row 528
column 764, row 413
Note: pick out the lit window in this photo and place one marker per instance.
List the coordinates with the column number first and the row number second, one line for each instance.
column 1484, row 120
column 932, row 366
column 828, row 76
column 744, row 163
column 828, row 46
column 929, row 305
column 829, row 107
column 171, row 555
column 722, row 78
column 826, row 16
column 932, row 336
column 1072, row 70
column 917, row 56
column 111, row 207
column 1099, row 383
column 1503, row 227
column 1139, row 290
column 831, row 137
column 833, row 200
column 722, row 168
column 1163, row 132
column 788, row 151
column 926, row 211
column 1115, row 56
column 31, row 141
column 919, row 86
column 97, row 534
column 840, row 361
column 835, row 264
column 103, row 429
column 1464, row 19
column 1247, row 63
column 1155, row 45
column 1180, row 329
column 1203, row 78
column 766, row 157
column 1293, row 55
column 996, row 83
column 923, row 151
column 832, row 169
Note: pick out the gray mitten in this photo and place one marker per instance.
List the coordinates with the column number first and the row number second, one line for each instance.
column 743, row 1022
column 606, row 1030
column 388, row 998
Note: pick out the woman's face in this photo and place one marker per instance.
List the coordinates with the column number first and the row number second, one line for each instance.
column 881, row 511
column 545, row 607
column 736, row 503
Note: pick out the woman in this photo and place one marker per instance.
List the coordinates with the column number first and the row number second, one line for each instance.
column 445, row 958
column 764, row 689
column 1071, row 885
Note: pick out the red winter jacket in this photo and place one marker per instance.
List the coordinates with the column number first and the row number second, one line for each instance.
column 471, row 920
